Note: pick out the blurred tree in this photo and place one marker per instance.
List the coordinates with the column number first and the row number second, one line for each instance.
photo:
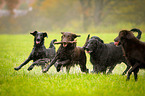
column 2, row 3
column 129, row 10
column 12, row 4
column 59, row 12
column 86, row 12
column 63, row 14
column 92, row 11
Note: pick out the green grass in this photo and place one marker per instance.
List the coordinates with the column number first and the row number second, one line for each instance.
column 15, row 49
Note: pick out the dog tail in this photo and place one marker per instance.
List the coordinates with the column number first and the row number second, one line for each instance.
column 86, row 41
column 52, row 43
column 137, row 30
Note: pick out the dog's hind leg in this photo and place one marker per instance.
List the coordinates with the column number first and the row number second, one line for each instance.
column 111, row 69
column 51, row 63
column 32, row 66
column 135, row 73
column 42, row 67
column 68, row 68
column 128, row 67
column 94, row 68
column 83, row 67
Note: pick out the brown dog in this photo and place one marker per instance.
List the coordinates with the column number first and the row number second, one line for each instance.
column 68, row 54
column 134, row 51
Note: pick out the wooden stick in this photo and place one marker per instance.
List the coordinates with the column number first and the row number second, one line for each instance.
column 65, row 42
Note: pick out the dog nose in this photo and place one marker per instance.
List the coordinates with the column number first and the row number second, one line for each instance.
column 38, row 39
column 86, row 48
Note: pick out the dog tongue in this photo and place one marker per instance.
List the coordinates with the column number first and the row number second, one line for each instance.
column 88, row 51
column 37, row 42
column 116, row 43
column 64, row 45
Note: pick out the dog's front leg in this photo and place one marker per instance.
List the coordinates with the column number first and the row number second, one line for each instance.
column 24, row 63
column 128, row 67
column 61, row 63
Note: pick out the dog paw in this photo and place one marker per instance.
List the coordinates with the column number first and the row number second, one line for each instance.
column 44, row 70
column 29, row 69
column 123, row 73
column 17, row 68
column 127, row 79
column 92, row 71
column 108, row 73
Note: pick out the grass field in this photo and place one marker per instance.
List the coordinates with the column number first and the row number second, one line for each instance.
column 15, row 49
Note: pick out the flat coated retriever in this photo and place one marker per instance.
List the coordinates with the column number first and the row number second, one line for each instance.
column 134, row 51
column 40, row 55
column 68, row 54
column 104, row 56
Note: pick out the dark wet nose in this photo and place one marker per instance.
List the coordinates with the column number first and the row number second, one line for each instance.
column 86, row 48
column 116, row 39
column 38, row 39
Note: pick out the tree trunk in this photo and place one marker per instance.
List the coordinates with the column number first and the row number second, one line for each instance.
column 85, row 5
column 98, row 10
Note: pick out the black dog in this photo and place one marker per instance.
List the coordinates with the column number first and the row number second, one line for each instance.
column 40, row 55
column 105, row 55
column 134, row 51
column 68, row 54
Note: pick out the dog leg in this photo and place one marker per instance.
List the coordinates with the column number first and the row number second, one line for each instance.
column 128, row 67
column 68, row 69
column 60, row 64
column 24, row 63
column 132, row 70
column 84, row 68
column 111, row 69
column 42, row 67
column 94, row 69
column 135, row 74
column 51, row 63
column 32, row 66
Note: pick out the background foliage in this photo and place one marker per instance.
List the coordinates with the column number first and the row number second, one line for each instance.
column 71, row 15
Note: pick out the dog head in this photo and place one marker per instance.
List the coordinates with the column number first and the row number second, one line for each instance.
column 123, row 36
column 39, row 37
column 91, row 45
column 96, row 37
column 67, row 37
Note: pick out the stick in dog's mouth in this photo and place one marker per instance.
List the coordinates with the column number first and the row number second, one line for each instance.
column 65, row 43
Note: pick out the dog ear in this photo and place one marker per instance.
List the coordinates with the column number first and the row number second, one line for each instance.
column 62, row 32
column 33, row 33
column 129, row 35
column 102, row 41
column 76, row 35
column 45, row 35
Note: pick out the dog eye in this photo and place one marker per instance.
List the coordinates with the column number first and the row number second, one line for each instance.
column 91, row 43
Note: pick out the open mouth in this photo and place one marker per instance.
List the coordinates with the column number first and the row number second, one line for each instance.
column 89, row 51
column 64, row 44
column 37, row 42
column 116, row 43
